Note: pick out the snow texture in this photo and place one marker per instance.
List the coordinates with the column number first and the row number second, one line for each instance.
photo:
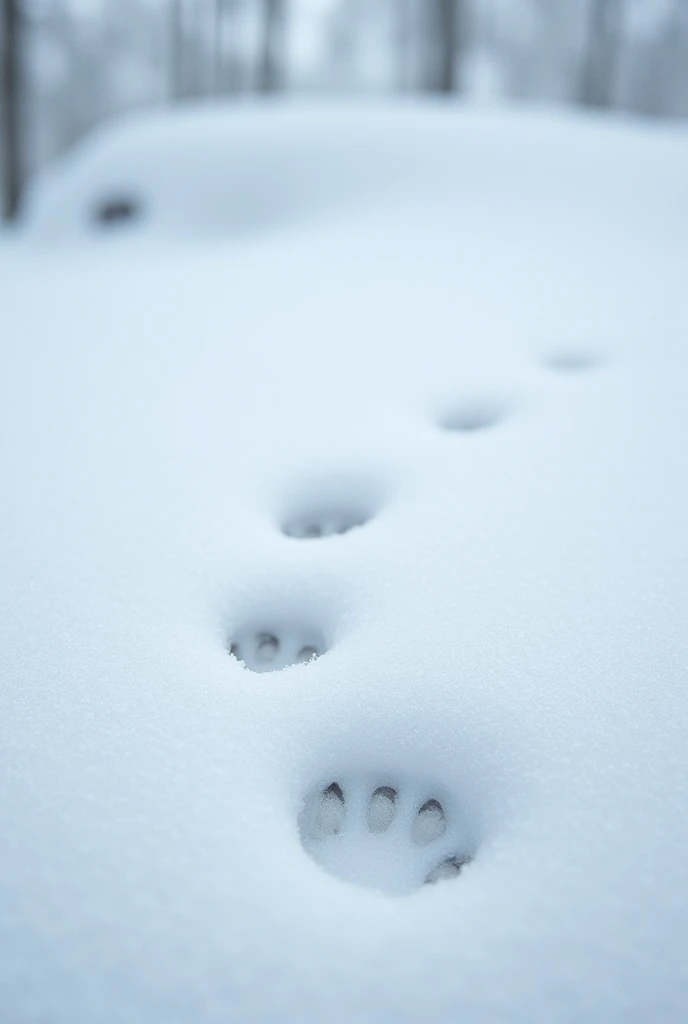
column 465, row 334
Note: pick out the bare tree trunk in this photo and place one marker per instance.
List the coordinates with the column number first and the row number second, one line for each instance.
column 216, row 46
column 271, row 58
column 10, row 125
column 660, row 79
column 403, row 44
column 230, row 80
column 601, row 54
column 189, row 56
column 176, row 53
column 82, row 90
column 446, row 16
column 444, row 46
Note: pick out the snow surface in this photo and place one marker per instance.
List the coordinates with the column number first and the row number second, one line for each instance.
column 465, row 335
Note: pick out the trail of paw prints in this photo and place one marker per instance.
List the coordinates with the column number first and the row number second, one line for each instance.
column 389, row 837
column 475, row 413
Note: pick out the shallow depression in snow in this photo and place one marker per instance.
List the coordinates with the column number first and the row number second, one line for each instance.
column 472, row 414
column 325, row 522
column 331, row 504
column 117, row 211
column 571, row 360
column 392, row 836
column 271, row 649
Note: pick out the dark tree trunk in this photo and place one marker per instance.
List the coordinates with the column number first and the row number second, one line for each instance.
column 232, row 78
column 216, row 47
column 601, row 53
column 444, row 46
column 403, row 44
column 176, row 54
column 446, row 77
column 270, row 62
column 10, row 138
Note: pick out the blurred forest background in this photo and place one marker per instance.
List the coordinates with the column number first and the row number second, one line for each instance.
column 65, row 65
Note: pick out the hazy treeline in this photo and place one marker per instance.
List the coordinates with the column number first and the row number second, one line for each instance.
column 67, row 64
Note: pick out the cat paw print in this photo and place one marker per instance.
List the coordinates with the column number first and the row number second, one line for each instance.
column 388, row 837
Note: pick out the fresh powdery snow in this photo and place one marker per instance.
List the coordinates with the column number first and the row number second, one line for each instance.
column 344, row 572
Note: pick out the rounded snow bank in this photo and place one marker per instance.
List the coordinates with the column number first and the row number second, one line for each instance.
column 231, row 169
column 224, row 169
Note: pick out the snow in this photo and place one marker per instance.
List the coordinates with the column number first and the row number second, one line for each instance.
column 463, row 335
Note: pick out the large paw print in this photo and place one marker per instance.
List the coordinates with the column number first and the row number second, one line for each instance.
column 388, row 837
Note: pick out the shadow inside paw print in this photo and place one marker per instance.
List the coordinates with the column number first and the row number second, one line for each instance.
column 388, row 837
column 324, row 522
column 330, row 506
column 571, row 360
column 117, row 210
column 272, row 650
column 474, row 414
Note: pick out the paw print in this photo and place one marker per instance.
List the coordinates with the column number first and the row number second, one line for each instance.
column 272, row 650
column 391, row 838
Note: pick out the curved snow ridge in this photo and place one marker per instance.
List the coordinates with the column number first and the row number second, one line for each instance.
column 230, row 170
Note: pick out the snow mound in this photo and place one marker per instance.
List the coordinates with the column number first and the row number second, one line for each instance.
column 212, row 171
column 405, row 426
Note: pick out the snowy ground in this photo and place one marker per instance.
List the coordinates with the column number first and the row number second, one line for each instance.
column 464, row 336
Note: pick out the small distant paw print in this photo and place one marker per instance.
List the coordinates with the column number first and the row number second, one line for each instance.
column 388, row 838
column 324, row 523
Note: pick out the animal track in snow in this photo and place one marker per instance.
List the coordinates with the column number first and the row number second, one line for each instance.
column 325, row 522
column 394, row 838
column 571, row 361
column 473, row 414
column 116, row 210
column 269, row 650
column 326, row 506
